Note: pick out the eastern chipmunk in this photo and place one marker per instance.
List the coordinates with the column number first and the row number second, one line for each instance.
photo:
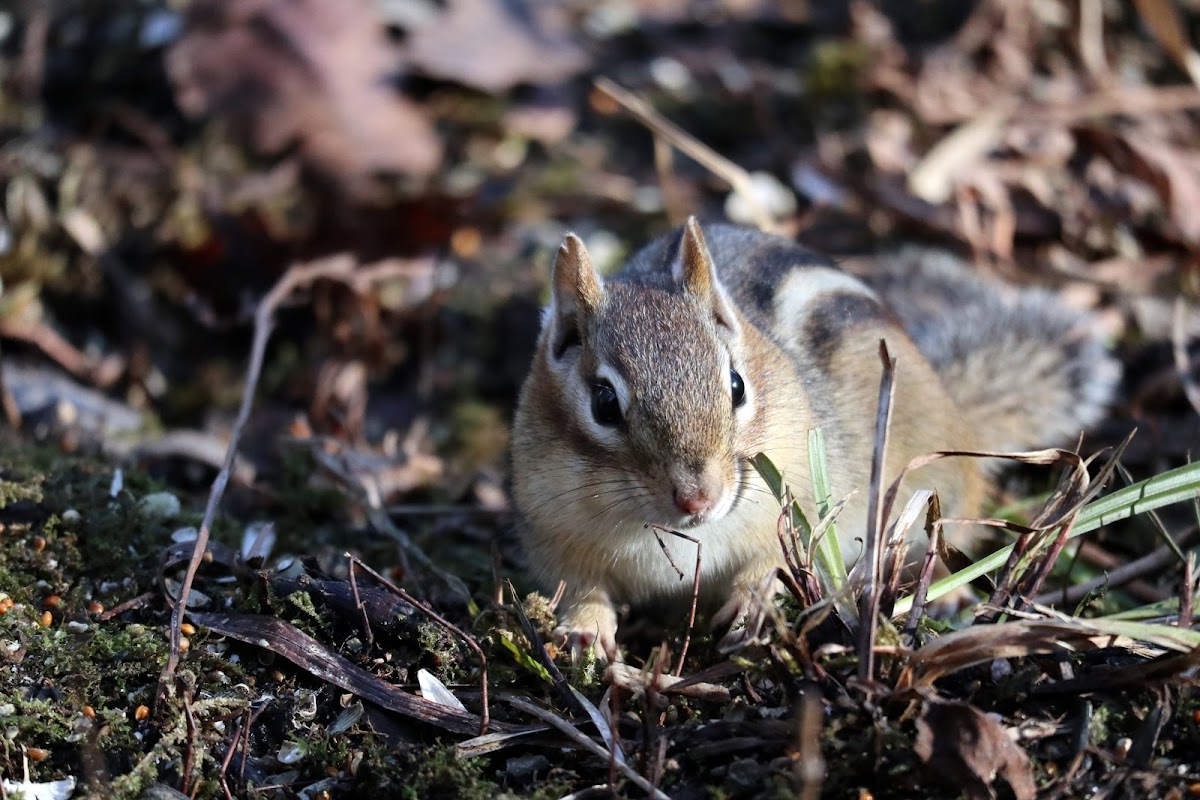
column 651, row 391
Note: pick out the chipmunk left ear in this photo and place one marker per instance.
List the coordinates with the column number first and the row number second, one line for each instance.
column 694, row 269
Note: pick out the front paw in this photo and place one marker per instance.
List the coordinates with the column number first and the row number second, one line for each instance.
column 743, row 615
column 590, row 626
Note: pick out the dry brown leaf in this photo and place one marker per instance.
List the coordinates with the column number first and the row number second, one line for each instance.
column 492, row 45
column 322, row 662
column 972, row 749
column 934, row 178
column 980, row 644
column 1162, row 18
column 637, row 681
column 313, row 72
column 1175, row 173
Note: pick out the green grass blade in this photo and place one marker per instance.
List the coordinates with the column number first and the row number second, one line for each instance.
column 774, row 480
column 770, row 473
column 829, row 549
column 1174, row 486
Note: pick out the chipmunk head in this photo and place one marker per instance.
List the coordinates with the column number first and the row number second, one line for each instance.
column 653, row 384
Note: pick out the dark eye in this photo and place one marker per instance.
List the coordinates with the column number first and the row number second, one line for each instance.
column 605, row 408
column 737, row 387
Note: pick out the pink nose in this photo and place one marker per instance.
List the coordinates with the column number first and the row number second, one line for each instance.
column 694, row 502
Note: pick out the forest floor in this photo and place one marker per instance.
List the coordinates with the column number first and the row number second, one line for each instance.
column 317, row 236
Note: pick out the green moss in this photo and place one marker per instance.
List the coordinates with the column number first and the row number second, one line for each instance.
column 15, row 491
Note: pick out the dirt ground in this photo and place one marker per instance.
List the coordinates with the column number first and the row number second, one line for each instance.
column 271, row 278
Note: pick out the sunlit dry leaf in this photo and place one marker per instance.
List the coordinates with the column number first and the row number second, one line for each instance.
column 315, row 72
column 934, row 177
column 322, row 662
column 1175, row 173
column 972, row 749
column 48, row 790
column 637, row 681
column 486, row 45
column 433, row 689
column 980, row 644
column 1162, row 18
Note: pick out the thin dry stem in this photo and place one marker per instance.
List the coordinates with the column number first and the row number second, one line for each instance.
column 264, row 321
column 358, row 603
column 929, row 563
column 704, row 155
column 577, row 736
column 1187, row 591
column 12, row 414
column 1182, row 363
column 342, row 267
column 869, row 605
column 809, row 766
column 687, row 638
column 445, row 623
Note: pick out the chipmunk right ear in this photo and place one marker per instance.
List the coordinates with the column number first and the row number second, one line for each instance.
column 695, row 271
column 577, row 292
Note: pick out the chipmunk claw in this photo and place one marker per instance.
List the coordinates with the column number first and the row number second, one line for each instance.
column 742, row 617
column 579, row 643
column 590, row 626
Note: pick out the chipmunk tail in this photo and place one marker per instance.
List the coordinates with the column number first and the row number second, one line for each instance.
column 1028, row 371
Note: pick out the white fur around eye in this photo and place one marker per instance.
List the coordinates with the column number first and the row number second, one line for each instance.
column 606, row 373
column 607, row 434
column 744, row 412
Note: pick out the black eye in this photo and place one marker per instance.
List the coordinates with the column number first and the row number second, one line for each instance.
column 605, row 408
column 737, row 387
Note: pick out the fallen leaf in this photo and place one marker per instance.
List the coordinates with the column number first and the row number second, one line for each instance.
column 1175, row 173
column 49, row 790
column 971, row 749
column 433, row 689
column 313, row 72
column 492, row 45
column 307, row 653
column 933, row 178
column 1163, row 19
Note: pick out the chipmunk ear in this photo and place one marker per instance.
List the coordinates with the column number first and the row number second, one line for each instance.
column 694, row 269
column 577, row 292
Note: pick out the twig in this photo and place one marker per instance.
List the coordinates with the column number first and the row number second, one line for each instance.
column 57, row 349
column 869, row 605
column 578, row 737
column 1134, row 101
column 264, row 322
column 687, row 638
column 370, row 499
column 358, row 603
column 1182, row 363
column 1149, row 564
column 424, row 607
column 229, row 751
column 134, row 602
column 701, row 153
column 12, row 413
column 1187, row 592
column 565, row 693
column 809, row 766
column 921, row 591
column 189, row 758
column 614, row 714
column 1033, row 583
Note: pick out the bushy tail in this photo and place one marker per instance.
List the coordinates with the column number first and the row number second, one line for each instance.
column 1028, row 371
